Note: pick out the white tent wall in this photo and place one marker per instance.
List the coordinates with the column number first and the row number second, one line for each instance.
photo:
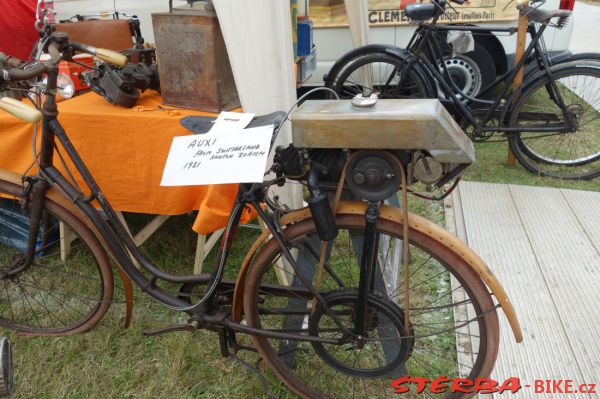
column 358, row 21
column 258, row 36
column 357, row 11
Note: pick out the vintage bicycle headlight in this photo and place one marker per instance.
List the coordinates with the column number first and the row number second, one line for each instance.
column 66, row 87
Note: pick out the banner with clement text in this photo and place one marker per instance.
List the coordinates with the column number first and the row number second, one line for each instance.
column 332, row 13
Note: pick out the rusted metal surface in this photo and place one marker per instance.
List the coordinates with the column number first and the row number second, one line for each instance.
column 192, row 60
column 391, row 124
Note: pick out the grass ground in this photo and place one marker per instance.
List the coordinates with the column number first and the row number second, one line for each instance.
column 491, row 167
column 111, row 362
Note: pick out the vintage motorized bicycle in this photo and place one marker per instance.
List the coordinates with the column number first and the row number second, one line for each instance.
column 339, row 297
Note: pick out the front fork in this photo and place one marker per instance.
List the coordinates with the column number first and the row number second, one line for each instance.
column 327, row 230
column 368, row 266
column 36, row 187
column 37, row 190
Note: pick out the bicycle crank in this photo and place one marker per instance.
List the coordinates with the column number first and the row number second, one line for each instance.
column 191, row 326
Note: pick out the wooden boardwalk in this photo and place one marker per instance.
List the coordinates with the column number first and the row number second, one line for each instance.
column 544, row 246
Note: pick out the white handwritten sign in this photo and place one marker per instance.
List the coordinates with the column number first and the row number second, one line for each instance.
column 218, row 157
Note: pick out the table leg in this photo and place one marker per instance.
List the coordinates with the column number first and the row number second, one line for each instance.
column 66, row 238
column 282, row 270
column 203, row 248
column 200, row 250
column 122, row 219
column 149, row 229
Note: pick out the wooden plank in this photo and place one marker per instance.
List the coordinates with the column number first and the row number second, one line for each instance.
column 124, row 222
column 149, row 229
column 494, row 229
column 570, row 261
column 518, row 80
column 203, row 248
column 66, row 237
column 200, row 249
column 586, row 207
column 464, row 337
column 283, row 269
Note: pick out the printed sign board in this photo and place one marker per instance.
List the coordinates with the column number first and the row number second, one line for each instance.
column 332, row 13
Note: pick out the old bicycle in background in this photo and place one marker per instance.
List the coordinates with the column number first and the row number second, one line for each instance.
column 339, row 297
column 552, row 122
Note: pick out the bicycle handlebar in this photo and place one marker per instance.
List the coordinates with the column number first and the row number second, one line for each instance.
column 20, row 110
column 108, row 56
column 23, row 74
column 56, row 49
column 33, row 71
column 36, row 70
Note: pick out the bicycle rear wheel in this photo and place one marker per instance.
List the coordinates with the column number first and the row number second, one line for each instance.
column 453, row 328
column 52, row 296
column 572, row 155
column 379, row 73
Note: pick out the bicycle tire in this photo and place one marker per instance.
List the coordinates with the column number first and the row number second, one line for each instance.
column 51, row 296
column 312, row 375
column 570, row 156
column 381, row 69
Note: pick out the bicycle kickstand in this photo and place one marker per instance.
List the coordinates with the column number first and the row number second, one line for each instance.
column 230, row 347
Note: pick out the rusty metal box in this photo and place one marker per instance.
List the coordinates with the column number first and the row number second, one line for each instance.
column 192, row 61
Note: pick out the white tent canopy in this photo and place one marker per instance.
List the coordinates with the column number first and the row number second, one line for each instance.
column 258, row 36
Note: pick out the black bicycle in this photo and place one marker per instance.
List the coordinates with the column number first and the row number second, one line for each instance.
column 314, row 291
column 552, row 121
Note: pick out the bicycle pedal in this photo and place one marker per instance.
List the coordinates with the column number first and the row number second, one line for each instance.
column 191, row 327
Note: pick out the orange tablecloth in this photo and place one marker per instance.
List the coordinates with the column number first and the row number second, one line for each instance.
column 126, row 150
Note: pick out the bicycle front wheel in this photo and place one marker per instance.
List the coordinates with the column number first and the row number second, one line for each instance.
column 453, row 327
column 569, row 155
column 59, row 293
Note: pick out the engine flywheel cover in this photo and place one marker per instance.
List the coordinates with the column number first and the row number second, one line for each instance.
column 373, row 175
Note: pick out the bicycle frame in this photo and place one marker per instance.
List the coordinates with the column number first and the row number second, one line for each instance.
column 425, row 49
column 119, row 242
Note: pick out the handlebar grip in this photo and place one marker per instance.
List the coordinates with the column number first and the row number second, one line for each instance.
column 459, row 2
column 111, row 57
column 20, row 110
column 23, row 74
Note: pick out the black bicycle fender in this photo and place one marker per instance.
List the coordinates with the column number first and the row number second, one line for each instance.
column 535, row 78
column 395, row 51
column 363, row 50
